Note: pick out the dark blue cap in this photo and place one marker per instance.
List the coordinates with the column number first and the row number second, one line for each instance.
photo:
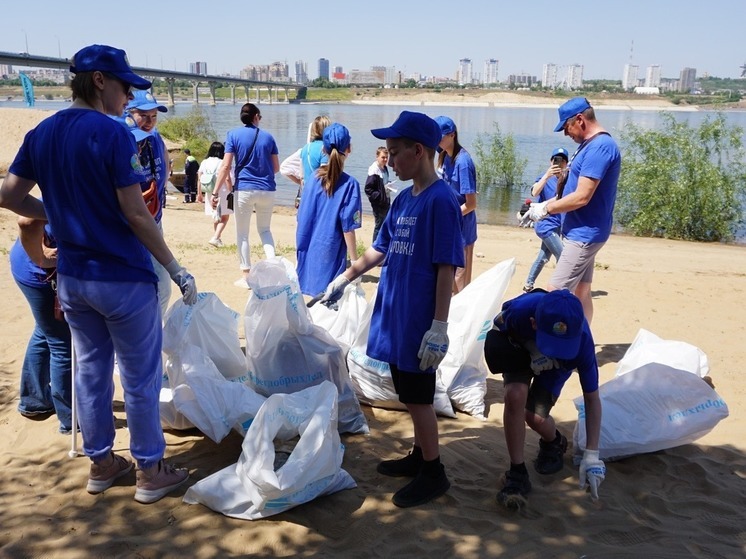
column 416, row 126
column 569, row 109
column 107, row 59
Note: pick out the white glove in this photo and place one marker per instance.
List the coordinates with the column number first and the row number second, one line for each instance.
column 539, row 361
column 334, row 292
column 592, row 472
column 184, row 280
column 536, row 212
column 434, row 345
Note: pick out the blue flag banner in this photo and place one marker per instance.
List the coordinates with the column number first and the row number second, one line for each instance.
column 28, row 89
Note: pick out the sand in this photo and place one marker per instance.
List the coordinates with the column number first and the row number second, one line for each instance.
column 682, row 502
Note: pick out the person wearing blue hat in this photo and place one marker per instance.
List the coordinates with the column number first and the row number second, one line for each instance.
column 548, row 229
column 588, row 200
column 456, row 167
column 106, row 284
column 144, row 109
column 420, row 246
column 329, row 213
column 538, row 339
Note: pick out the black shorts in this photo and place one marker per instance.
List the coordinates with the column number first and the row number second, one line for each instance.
column 413, row 388
column 507, row 358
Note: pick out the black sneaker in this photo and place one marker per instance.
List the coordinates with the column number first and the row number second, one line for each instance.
column 409, row 466
column 513, row 494
column 550, row 459
column 422, row 489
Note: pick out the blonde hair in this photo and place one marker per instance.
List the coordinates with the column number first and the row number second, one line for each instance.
column 329, row 174
column 317, row 127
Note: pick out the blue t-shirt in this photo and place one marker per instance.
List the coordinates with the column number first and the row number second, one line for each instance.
column 159, row 155
column 23, row 268
column 322, row 222
column 515, row 320
column 550, row 223
column 79, row 158
column 462, row 176
column 418, row 233
column 312, row 157
column 254, row 168
column 598, row 159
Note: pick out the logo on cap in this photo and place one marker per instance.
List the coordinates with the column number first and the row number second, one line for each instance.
column 559, row 328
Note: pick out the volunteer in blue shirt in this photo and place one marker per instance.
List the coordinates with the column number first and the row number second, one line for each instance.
column 328, row 216
column 538, row 339
column 88, row 170
column 547, row 229
column 420, row 246
column 588, row 200
column 456, row 167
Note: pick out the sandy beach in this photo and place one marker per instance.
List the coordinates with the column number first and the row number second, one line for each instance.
column 683, row 502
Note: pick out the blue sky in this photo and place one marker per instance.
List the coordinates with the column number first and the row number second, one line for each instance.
column 414, row 36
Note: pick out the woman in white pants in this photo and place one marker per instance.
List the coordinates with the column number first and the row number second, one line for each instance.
column 257, row 161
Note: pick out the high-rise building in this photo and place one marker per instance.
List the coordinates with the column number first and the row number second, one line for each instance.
column 522, row 80
column 464, row 71
column 199, row 68
column 490, row 71
column 686, row 79
column 6, row 70
column 324, row 68
column 653, row 76
column 392, row 76
column 629, row 78
column 575, row 76
column 549, row 76
column 301, row 72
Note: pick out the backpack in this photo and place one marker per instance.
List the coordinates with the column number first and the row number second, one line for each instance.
column 208, row 176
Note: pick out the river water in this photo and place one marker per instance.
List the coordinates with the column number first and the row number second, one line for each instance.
column 531, row 128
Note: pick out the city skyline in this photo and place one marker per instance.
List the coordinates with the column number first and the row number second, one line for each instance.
column 596, row 36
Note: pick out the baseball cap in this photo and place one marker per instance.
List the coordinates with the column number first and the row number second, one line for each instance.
column 336, row 136
column 561, row 151
column 559, row 324
column 144, row 101
column 569, row 109
column 104, row 58
column 129, row 123
column 415, row 126
column 447, row 126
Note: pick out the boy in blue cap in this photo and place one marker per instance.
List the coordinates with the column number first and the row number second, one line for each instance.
column 420, row 246
column 538, row 339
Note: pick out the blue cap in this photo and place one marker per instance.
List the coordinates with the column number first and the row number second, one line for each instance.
column 569, row 109
column 559, row 324
column 129, row 123
column 447, row 126
column 108, row 59
column 561, row 151
column 336, row 137
column 143, row 100
column 415, row 126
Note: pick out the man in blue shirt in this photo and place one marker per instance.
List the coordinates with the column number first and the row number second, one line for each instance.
column 538, row 339
column 588, row 201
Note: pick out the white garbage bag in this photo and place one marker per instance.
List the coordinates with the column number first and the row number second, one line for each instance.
column 657, row 401
column 253, row 488
column 285, row 351
column 343, row 323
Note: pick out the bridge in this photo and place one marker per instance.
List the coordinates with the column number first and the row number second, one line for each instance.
column 272, row 89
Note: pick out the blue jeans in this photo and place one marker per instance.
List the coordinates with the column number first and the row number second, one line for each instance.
column 47, row 367
column 105, row 317
column 550, row 246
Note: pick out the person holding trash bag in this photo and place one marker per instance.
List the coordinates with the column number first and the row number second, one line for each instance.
column 88, row 170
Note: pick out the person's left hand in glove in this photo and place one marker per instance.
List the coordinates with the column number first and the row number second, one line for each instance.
column 536, row 212
column 434, row 345
column 592, row 472
column 184, row 280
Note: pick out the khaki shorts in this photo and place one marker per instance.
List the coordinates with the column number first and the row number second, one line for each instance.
column 575, row 264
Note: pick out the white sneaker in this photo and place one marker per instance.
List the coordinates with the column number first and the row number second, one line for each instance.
column 241, row 282
column 215, row 242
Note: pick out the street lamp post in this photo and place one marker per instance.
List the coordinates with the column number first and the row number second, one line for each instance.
column 26, row 37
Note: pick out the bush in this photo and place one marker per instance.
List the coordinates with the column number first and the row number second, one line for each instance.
column 497, row 159
column 680, row 182
column 194, row 131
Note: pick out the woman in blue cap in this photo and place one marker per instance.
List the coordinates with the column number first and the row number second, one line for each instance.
column 456, row 167
column 328, row 215
column 87, row 168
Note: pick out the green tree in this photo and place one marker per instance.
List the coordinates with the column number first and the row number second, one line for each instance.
column 497, row 159
column 680, row 182
column 194, row 131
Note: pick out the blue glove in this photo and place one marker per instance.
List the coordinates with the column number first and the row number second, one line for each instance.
column 592, row 472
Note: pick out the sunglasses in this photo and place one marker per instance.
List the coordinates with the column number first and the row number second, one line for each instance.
column 127, row 88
